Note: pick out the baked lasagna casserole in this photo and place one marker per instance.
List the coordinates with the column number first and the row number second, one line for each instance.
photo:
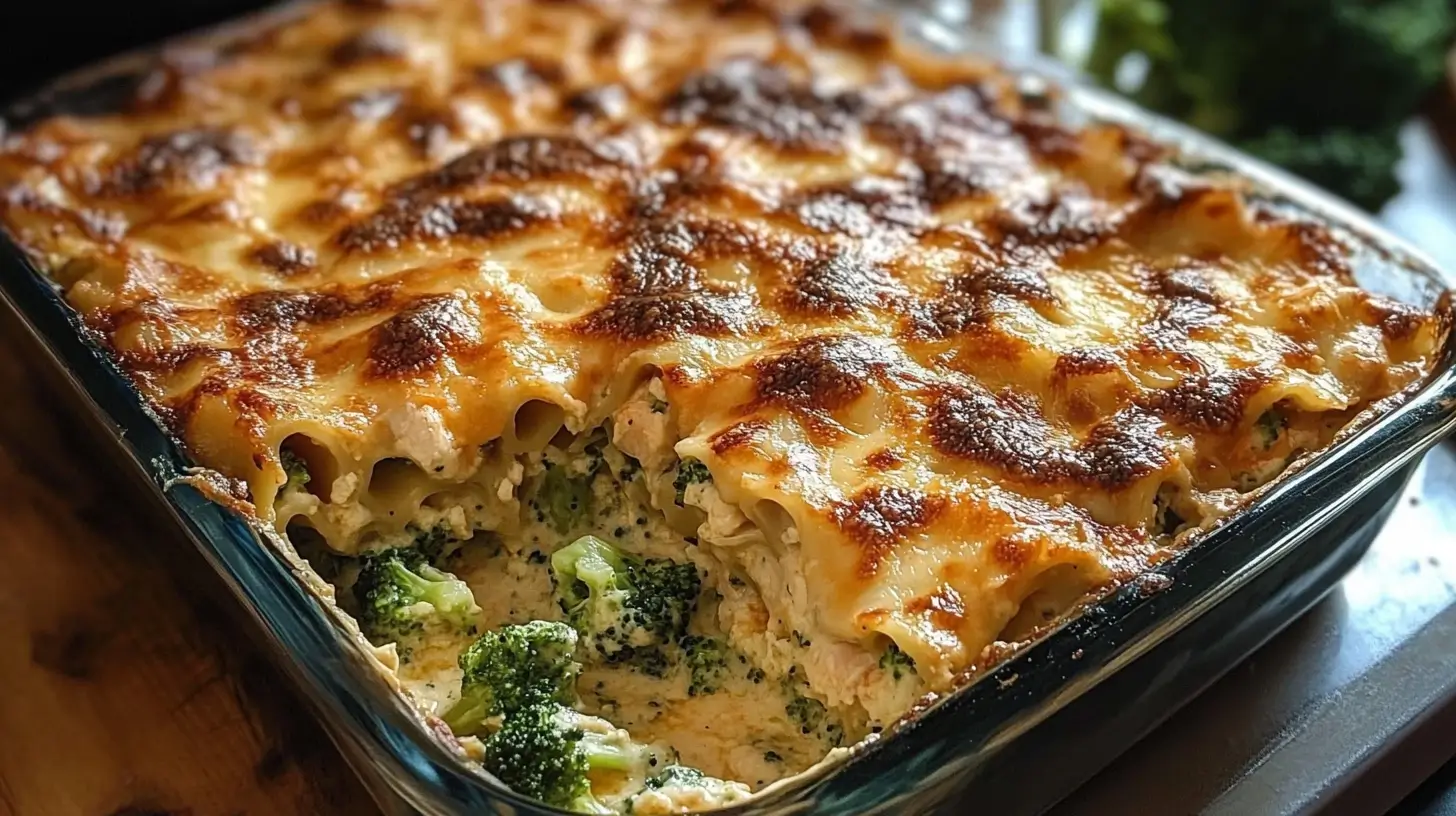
column 675, row 393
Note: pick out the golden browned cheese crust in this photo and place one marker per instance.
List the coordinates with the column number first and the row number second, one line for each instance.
column 980, row 362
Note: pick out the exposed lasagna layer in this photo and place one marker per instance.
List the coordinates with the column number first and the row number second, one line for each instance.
column 901, row 360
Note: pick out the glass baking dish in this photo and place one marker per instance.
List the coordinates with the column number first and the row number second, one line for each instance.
column 1019, row 737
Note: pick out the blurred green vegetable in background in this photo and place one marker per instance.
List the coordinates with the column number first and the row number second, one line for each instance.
column 1320, row 87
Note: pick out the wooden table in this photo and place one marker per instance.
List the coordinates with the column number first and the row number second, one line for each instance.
column 127, row 684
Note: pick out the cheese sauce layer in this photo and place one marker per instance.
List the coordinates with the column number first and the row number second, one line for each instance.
column 950, row 365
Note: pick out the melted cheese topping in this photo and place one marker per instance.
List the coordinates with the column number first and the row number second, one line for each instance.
column 952, row 364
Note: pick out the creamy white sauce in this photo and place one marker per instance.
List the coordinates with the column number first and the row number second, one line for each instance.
column 744, row 730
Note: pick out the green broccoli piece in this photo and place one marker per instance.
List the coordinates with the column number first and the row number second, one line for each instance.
column 436, row 544
column 809, row 714
column 565, row 499
column 1268, row 427
column 295, row 468
column 707, row 662
column 708, row 790
column 1317, row 86
column 690, row 471
column 630, row 610
column 401, row 598
column 806, row 712
column 543, row 752
column 897, row 663
column 512, row 668
column 1360, row 166
column 676, row 776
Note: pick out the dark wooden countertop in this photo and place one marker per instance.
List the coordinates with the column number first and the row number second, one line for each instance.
column 127, row 684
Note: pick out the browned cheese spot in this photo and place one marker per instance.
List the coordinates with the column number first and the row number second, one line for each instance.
column 881, row 516
column 944, row 608
column 866, row 208
column 282, row 311
column 1012, row 552
column 423, row 220
column 761, row 100
column 418, row 338
column 831, row 26
column 597, row 103
column 184, row 159
column 884, row 459
column 659, row 292
column 1083, row 362
column 1187, row 308
column 1008, row 432
column 520, row 159
column 737, row 435
column 284, row 258
column 842, row 284
column 820, row 375
column 959, row 144
column 370, row 45
column 969, row 300
column 1398, row 321
column 1066, row 219
column 1210, row 402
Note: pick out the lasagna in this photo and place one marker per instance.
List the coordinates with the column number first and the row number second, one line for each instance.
column 861, row 357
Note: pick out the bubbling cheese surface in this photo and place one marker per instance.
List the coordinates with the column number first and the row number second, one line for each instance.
column 952, row 365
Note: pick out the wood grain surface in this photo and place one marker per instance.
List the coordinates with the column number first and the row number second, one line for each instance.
column 128, row 683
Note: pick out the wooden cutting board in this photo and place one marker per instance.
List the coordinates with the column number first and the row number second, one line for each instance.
column 128, row 686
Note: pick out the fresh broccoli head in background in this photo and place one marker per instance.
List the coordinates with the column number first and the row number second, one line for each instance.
column 401, row 598
column 543, row 751
column 628, row 608
column 1318, row 86
column 1359, row 166
column 512, row 668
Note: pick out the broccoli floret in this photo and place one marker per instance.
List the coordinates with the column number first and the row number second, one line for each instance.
column 707, row 662
column 809, row 714
column 690, row 471
column 543, row 752
column 897, row 663
column 1268, row 427
column 689, row 789
column 676, row 776
column 566, row 499
column 295, row 468
column 629, row 609
column 401, row 597
column 436, row 544
column 514, row 667
column 806, row 712
column 1318, row 86
column 1360, row 166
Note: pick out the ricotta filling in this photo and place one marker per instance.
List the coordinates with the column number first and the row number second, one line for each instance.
column 784, row 695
